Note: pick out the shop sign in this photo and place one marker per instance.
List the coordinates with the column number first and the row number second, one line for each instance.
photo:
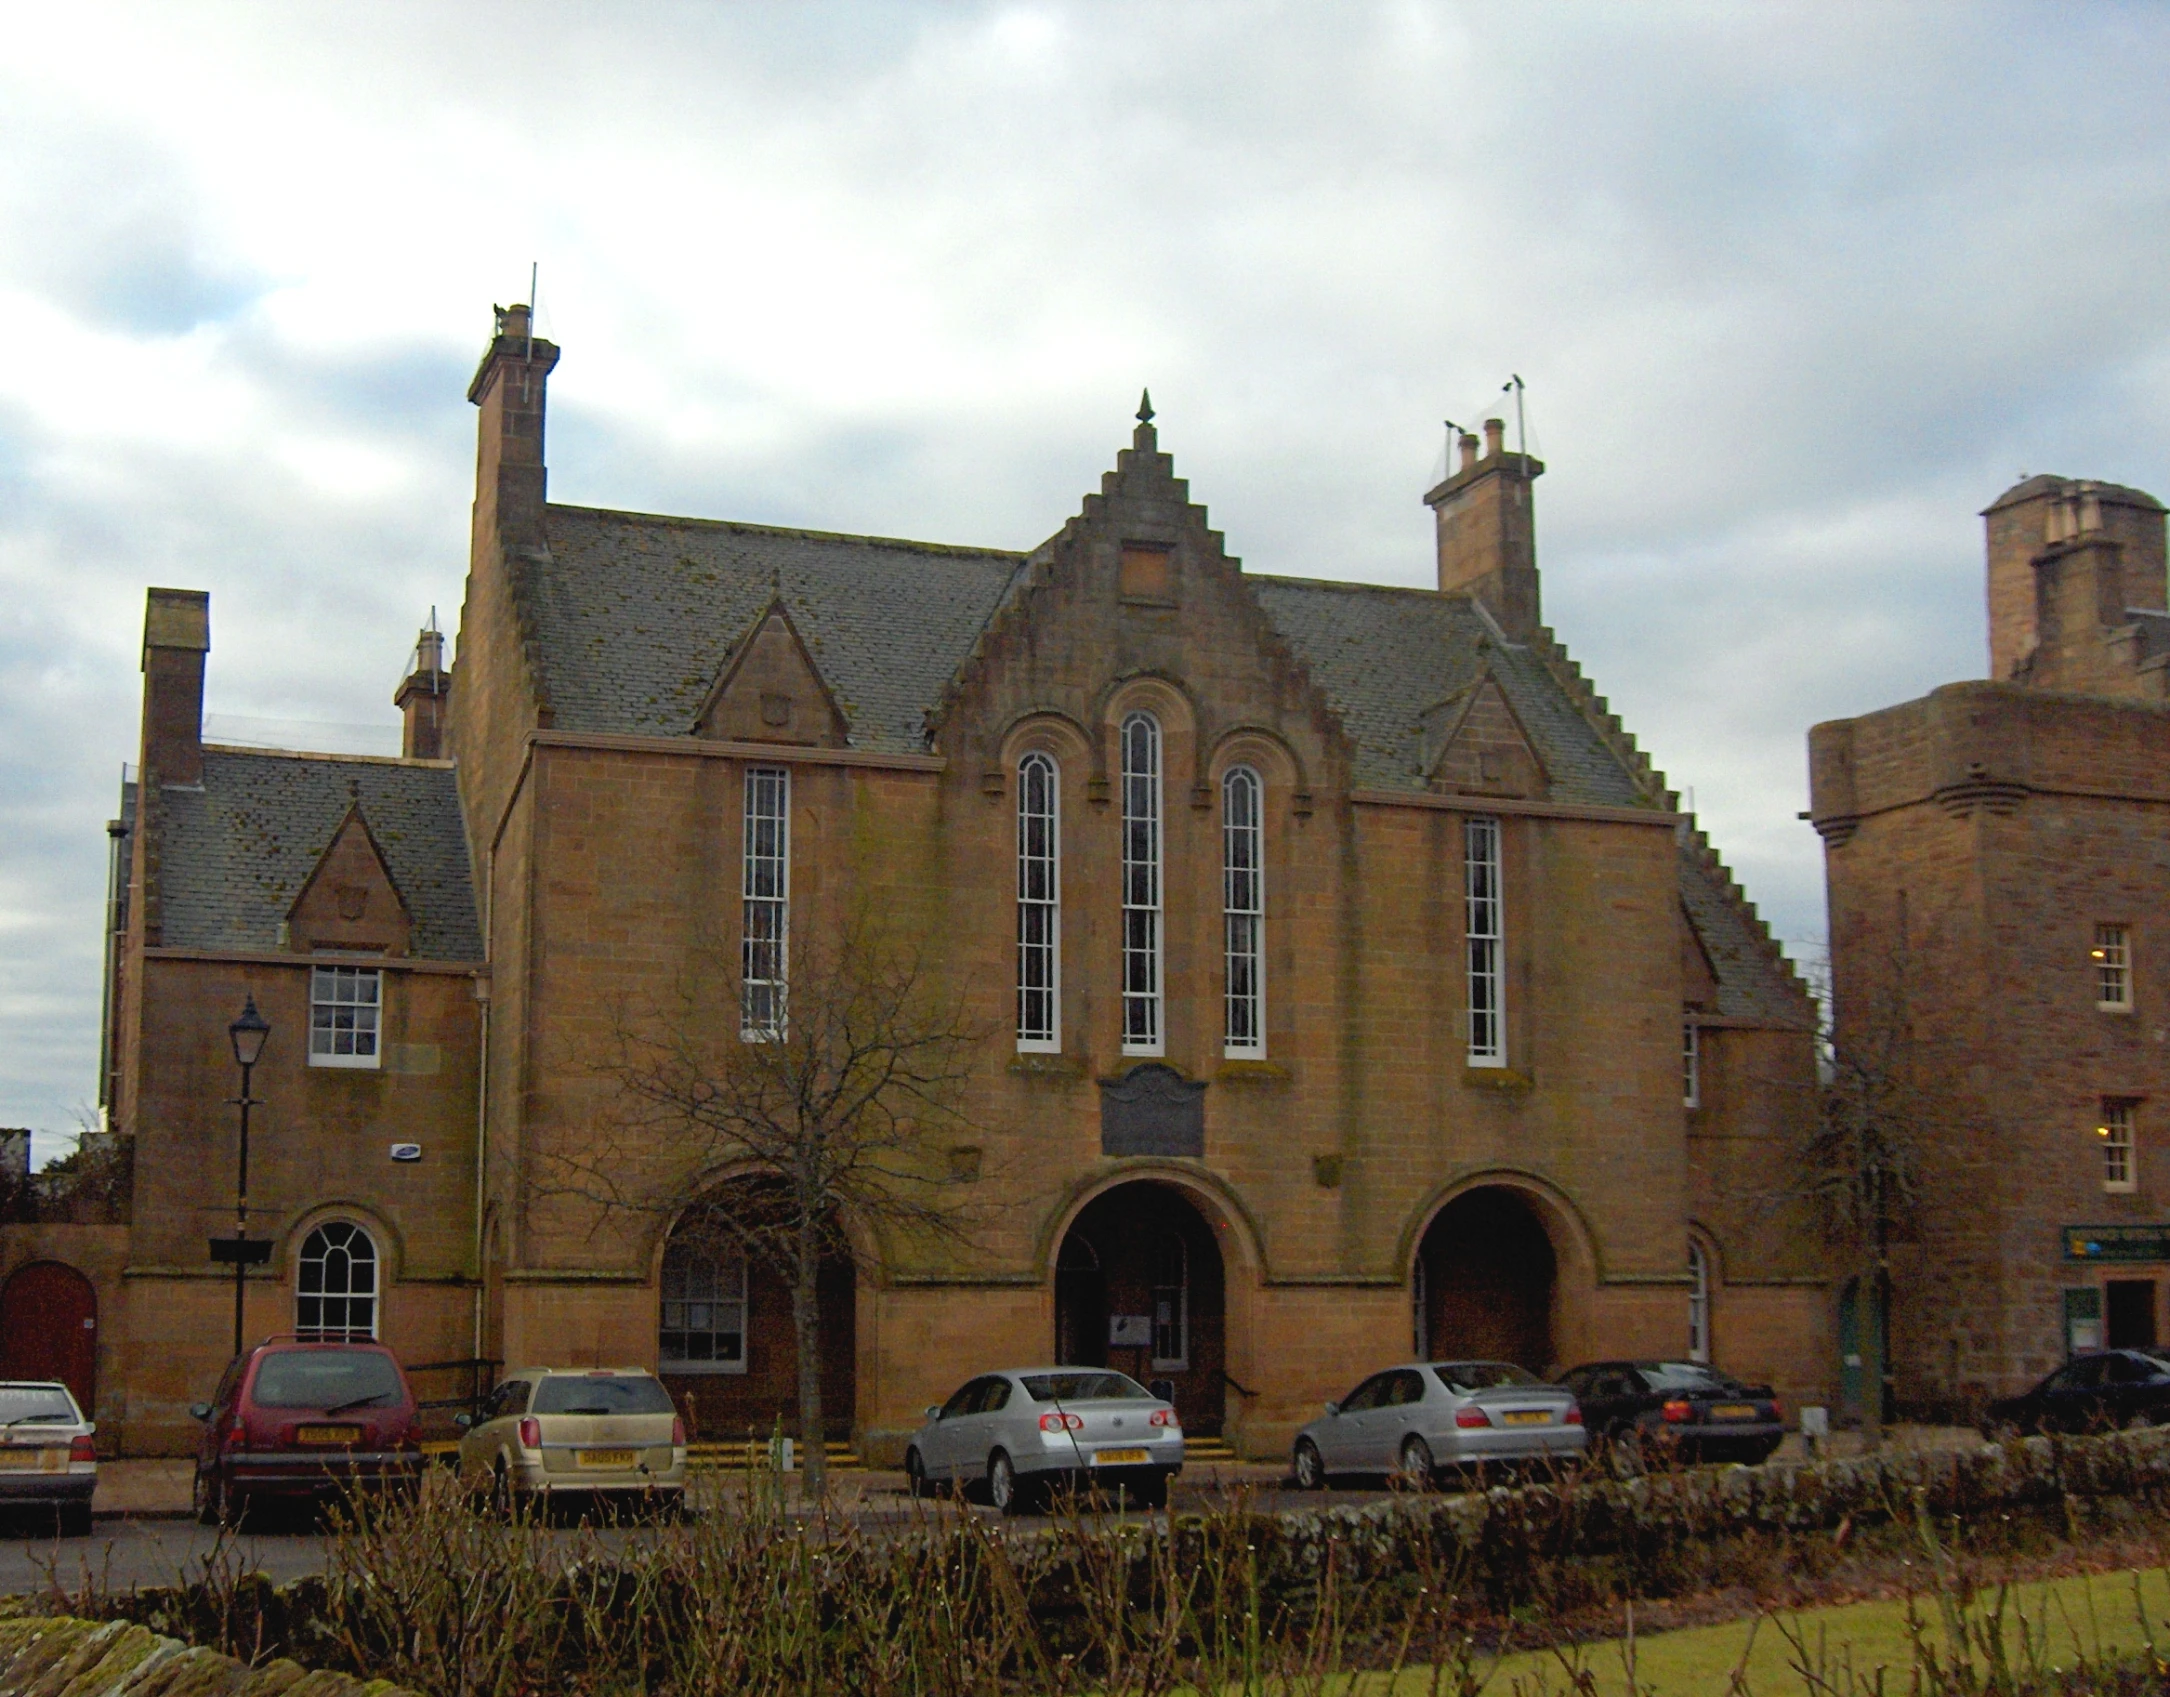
column 2117, row 1243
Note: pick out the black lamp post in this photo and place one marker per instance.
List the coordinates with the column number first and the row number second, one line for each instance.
column 249, row 1033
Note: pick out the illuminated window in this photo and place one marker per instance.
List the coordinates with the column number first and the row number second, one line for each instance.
column 767, row 902
column 1484, row 928
column 2115, row 1133
column 1243, row 901
column 344, row 1005
column 1039, row 906
column 2113, row 967
column 1141, row 885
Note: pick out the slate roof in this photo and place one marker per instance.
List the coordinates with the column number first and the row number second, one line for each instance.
column 236, row 852
column 634, row 616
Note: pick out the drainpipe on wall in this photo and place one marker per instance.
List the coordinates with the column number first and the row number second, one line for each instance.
column 483, row 988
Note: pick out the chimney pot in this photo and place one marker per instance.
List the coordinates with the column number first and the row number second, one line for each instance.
column 1468, row 445
column 1495, row 437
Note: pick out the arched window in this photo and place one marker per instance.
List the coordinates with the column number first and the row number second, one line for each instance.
column 335, row 1291
column 702, row 1325
column 1141, row 885
column 766, row 903
column 1484, row 933
column 1171, row 1303
column 1698, row 1302
column 1039, row 906
column 1243, row 905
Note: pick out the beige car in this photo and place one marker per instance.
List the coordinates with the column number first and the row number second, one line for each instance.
column 558, row 1431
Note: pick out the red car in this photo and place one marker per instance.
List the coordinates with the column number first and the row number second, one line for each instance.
column 300, row 1422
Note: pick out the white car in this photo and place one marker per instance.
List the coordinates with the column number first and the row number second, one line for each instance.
column 554, row 1431
column 46, row 1458
column 1416, row 1419
column 1026, row 1429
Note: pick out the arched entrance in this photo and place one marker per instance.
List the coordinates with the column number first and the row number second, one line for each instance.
column 726, row 1347
column 49, row 1329
column 1484, row 1282
column 1139, row 1286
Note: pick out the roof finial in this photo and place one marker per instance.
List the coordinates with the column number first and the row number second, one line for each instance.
column 1145, row 406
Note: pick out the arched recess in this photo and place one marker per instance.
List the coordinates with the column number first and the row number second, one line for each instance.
column 1048, row 731
column 726, row 1344
column 49, row 1328
column 1255, row 746
column 1501, row 1268
column 1706, row 1276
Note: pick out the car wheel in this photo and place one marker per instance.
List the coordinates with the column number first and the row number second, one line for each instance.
column 915, row 1475
column 1624, row 1453
column 1416, row 1464
column 1146, row 1494
column 1004, row 1489
column 500, row 1489
column 1310, row 1466
column 210, row 1499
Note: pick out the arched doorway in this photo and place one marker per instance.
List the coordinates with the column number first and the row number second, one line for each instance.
column 726, row 1347
column 49, row 1329
column 1139, row 1286
column 1484, row 1282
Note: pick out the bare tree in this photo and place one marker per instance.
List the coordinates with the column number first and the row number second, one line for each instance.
column 794, row 1126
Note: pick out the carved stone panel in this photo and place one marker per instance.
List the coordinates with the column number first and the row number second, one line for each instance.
column 1152, row 1110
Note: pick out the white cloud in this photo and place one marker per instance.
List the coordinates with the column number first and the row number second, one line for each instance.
column 1796, row 289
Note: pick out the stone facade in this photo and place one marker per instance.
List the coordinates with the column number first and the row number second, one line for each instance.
column 1256, row 1222
column 1976, row 842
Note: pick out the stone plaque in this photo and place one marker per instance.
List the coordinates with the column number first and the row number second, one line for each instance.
column 1152, row 1110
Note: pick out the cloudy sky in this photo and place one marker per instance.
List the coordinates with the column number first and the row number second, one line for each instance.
column 1796, row 290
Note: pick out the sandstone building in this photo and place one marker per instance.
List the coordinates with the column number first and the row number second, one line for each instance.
column 1999, row 880
column 1359, row 986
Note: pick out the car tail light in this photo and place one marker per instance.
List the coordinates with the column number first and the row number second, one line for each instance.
column 1678, row 1410
column 82, row 1449
column 678, row 1432
column 1471, row 1417
column 1164, row 1417
column 1573, row 1416
column 1778, row 1409
column 1061, row 1423
column 530, row 1433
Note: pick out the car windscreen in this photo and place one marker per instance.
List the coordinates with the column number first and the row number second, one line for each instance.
column 1690, row 1377
column 614, row 1393
column 1461, row 1376
column 1084, row 1387
column 36, row 1405
column 327, row 1379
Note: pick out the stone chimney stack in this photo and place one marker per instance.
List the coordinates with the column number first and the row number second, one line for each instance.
column 1487, row 530
column 422, row 697
column 509, row 387
column 176, row 636
column 2068, row 560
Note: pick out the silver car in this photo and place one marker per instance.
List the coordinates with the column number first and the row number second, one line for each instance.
column 46, row 1458
column 1417, row 1419
column 556, row 1431
column 1027, row 1430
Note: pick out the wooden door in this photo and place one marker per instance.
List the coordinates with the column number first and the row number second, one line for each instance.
column 49, row 1329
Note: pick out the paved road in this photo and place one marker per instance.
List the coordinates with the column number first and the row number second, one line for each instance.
column 122, row 1552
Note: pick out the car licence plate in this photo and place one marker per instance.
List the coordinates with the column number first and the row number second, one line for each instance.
column 327, row 1434
column 25, row 1460
column 1733, row 1411
column 619, row 1459
column 1120, row 1458
column 1527, row 1417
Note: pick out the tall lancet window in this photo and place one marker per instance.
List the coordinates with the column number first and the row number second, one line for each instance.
column 767, row 902
column 1243, row 905
column 1039, row 906
column 1484, row 926
column 1142, row 1030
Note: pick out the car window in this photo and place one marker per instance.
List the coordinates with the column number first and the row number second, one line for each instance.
column 1690, row 1377
column 602, row 1393
column 1463, row 1376
column 1084, row 1387
column 1407, row 1386
column 1365, row 1396
column 2123, row 1370
column 327, row 1379
column 2082, row 1375
column 1579, row 1381
column 36, row 1405
column 962, row 1402
column 1621, row 1383
column 998, row 1394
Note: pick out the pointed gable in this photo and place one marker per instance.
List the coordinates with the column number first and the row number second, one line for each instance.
column 771, row 690
column 349, row 901
column 1478, row 745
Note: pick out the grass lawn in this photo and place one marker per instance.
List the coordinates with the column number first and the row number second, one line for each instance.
column 2065, row 1618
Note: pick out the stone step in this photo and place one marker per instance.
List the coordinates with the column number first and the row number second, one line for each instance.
column 734, row 1457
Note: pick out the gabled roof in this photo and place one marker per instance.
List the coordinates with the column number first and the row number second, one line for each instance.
column 237, row 852
column 636, row 616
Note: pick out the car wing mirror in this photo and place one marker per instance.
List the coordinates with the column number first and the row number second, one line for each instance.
column 463, row 1421
column 199, row 1411
column 1333, row 1408
column 934, row 1411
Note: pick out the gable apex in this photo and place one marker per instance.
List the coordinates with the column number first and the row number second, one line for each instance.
column 771, row 689
column 349, row 901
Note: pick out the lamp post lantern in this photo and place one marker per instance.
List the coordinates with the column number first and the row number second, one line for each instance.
column 249, row 1033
